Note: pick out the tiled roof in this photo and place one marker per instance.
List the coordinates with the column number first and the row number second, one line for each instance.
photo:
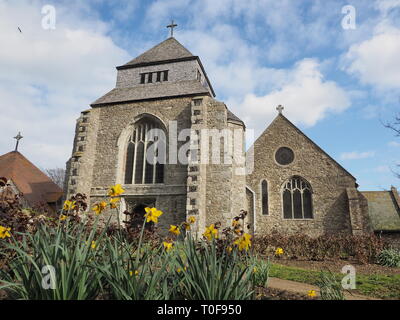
column 383, row 210
column 233, row 117
column 33, row 183
column 152, row 91
column 169, row 49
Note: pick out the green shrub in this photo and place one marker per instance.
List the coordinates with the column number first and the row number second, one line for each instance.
column 330, row 287
column 67, row 249
column 128, row 278
column 363, row 248
column 210, row 274
column 260, row 272
column 389, row 258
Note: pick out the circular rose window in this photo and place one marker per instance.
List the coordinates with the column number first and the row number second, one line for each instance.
column 284, row 156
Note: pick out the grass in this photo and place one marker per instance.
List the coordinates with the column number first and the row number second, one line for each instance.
column 379, row 286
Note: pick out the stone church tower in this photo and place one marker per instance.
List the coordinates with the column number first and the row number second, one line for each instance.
column 164, row 90
column 163, row 136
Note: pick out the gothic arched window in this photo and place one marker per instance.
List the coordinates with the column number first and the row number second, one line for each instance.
column 264, row 197
column 297, row 199
column 144, row 162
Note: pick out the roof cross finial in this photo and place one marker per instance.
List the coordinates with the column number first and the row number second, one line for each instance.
column 280, row 108
column 172, row 26
column 17, row 137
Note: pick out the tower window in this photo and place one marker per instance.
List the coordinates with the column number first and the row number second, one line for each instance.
column 143, row 165
column 198, row 75
column 158, row 76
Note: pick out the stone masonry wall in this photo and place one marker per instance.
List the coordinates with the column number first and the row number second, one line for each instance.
column 215, row 188
column 110, row 122
column 328, row 181
column 80, row 166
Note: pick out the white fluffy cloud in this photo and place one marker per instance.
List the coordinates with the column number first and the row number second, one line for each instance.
column 354, row 155
column 305, row 94
column 375, row 60
column 394, row 144
column 48, row 76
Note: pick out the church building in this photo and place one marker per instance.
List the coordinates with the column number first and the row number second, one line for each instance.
column 165, row 98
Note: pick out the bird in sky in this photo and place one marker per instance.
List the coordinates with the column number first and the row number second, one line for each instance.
column 19, row 29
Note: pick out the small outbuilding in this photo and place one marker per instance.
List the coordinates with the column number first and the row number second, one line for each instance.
column 23, row 177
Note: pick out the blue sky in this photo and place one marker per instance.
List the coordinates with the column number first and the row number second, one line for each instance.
column 338, row 85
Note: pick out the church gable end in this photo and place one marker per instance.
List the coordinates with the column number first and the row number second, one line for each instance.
column 306, row 187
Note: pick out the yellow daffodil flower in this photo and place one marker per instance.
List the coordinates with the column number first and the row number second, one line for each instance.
column 192, row 220
column 69, row 205
column 235, row 223
column 279, row 251
column 255, row 270
column 93, row 245
column 63, row 217
column 152, row 214
column 131, row 273
column 5, row 232
column 229, row 249
column 168, row 246
column 175, row 230
column 243, row 242
column 312, row 293
column 115, row 191
column 211, row 232
column 100, row 207
column 113, row 202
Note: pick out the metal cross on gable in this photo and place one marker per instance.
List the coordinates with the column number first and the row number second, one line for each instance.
column 280, row 109
column 17, row 137
column 172, row 26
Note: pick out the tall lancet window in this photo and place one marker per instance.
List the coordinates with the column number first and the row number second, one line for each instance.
column 264, row 197
column 145, row 157
column 297, row 199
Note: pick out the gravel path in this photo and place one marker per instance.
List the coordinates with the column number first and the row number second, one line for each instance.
column 303, row 288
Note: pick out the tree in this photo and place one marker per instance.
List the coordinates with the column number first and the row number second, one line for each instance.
column 395, row 125
column 57, row 175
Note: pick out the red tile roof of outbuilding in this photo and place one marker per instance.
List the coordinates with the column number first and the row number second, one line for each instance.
column 30, row 180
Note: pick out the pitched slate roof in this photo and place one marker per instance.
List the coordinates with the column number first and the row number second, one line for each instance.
column 152, row 91
column 169, row 49
column 383, row 209
column 233, row 117
column 33, row 183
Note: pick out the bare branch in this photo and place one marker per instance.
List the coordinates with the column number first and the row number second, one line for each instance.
column 57, row 175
